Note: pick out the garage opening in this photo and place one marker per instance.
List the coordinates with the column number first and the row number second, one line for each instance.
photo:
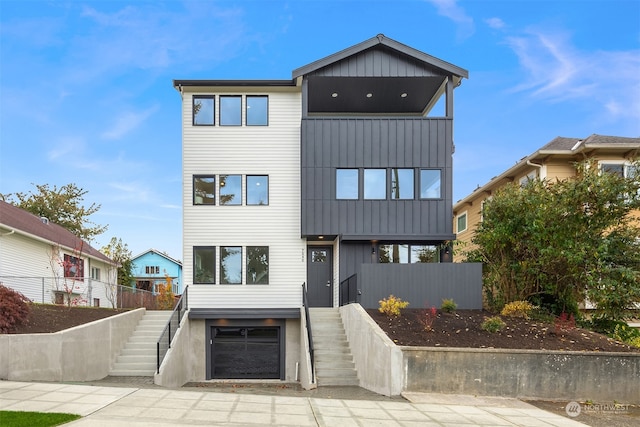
column 246, row 352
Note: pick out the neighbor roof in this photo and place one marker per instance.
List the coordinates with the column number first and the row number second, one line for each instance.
column 162, row 254
column 22, row 222
column 565, row 147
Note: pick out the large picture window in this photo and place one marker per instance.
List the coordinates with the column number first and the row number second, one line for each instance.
column 257, row 110
column 375, row 184
column 430, row 184
column 230, row 110
column 257, row 265
column 347, row 184
column 406, row 253
column 402, row 184
column 257, row 190
column 73, row 267
column 204, row 264
column 230, row 189
column 231, row 265
column 203, row 110
column 204, row 190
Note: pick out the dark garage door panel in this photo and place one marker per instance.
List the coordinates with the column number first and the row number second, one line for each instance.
column 246, row 352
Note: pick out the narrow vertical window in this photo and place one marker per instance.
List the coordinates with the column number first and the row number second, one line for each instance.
column 257, row 190
column 430, row 184
column 257, row 110
column 257, row 265
column 402, row 184
column 375, row 184
column 461, row 223
column 203, row 110
column 230, row 265
column 230, row 110
column 347, row 184
column 204, row 264
column 230, row 189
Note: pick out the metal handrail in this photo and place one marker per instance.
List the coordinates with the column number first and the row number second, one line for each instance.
column 305, row 303
column 166, row 336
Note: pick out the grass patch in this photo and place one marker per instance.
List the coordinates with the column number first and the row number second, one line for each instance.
column 29, row 419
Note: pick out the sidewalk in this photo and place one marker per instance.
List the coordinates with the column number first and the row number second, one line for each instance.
column 159, row 407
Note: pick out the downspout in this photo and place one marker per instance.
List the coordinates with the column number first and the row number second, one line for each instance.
column 535, row 165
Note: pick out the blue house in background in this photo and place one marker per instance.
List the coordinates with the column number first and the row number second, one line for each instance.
column 151, row 268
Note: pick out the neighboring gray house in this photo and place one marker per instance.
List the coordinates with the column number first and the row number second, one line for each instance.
column 312, row 180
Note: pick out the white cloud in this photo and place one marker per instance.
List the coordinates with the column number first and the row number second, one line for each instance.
column 450, row 9
column 67, row 149
column 495, row 23
column 127, row 122
column 556, row 71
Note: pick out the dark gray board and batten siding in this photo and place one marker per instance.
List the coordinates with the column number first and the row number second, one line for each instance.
column 330, row 143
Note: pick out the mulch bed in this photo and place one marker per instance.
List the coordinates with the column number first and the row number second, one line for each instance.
column 462, row 329
column 47, row 318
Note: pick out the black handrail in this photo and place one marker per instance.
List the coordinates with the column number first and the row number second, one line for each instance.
column 349, row 290
column 305, row 302
column 166, row 336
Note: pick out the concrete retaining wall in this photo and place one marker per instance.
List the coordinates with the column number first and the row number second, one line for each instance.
column 536, row 374
column 388, row 369
column 83, row 353
column 175, row 370
column 378, row 360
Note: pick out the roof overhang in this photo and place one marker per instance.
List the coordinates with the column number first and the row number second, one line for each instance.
column 244, row 313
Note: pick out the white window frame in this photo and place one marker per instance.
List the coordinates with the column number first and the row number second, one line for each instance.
column 466, row 221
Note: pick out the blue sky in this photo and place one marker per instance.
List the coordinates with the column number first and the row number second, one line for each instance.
column 86, row 90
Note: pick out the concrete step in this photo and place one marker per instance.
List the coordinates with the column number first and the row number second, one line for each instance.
column 139, row 354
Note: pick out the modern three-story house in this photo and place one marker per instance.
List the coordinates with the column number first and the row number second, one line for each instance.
column 307, row 180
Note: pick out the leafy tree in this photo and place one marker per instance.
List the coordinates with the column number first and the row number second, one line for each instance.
column 166, row 299
column 60, row 205
column 561, row 243
column 119, row 252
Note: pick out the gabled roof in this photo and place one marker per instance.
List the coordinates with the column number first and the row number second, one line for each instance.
column 381, row 39
column 157, row 252
column 566, row 147
column 22, row 222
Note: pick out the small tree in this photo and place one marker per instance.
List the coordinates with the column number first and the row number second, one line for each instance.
column 165, row 294
column 558, row 244
column 119, row 252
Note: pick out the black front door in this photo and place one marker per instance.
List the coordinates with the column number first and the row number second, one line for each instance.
column 320, row 276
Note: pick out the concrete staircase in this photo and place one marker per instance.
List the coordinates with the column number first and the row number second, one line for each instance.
column 138, row 358
column 333, row 359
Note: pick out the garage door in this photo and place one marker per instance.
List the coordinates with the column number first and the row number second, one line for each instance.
column 245, row 352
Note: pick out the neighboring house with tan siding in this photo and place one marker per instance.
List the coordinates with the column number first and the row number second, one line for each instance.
column 554, row 161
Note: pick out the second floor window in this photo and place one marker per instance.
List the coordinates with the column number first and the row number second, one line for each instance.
column 73, row 267
column 152, row 269
column 95, row 273
column 230, row 189
column 204, row 264
column 430, row 184
column 347, row 184
column 230, row 265
column 375, row 184
column 204, row 190
column 461, row 222
column 402, row 184
column 257, row 190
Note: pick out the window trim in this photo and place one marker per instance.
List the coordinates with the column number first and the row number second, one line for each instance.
column 466, row 222
column 246, row 112
column 193, row 116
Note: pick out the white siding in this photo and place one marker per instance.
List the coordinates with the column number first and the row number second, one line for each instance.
column 30, row 267
column 272, row 150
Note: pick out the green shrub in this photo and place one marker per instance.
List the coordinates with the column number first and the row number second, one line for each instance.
column 14, row 309
column 392, row 305
column 627, row 334
column 518, row 309
column 493, row 324
column 448, row 305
